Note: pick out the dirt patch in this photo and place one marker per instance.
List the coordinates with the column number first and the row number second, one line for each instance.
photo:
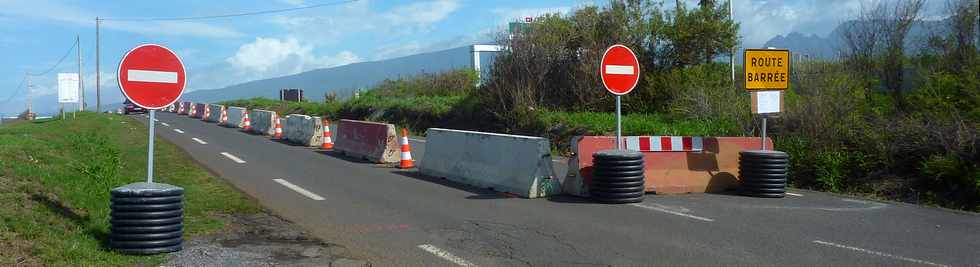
column 261, row 240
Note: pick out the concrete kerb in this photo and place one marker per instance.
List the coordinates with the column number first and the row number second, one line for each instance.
column 304, row 130
column 376, row 142
column 515, row 164
column 235, row 116
column 184, row 108
column 214, row 113
column 262, row 121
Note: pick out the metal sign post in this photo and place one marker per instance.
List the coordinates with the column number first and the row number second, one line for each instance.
column 620, row 72
column 619, row 123
column 152, row 77
column 149, row 154
column 766, row 76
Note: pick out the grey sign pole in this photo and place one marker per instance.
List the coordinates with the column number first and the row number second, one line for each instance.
column 149, row 156
column 764, row 117
column 619, row 123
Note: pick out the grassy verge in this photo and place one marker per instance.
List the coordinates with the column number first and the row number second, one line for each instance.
column 55, row 178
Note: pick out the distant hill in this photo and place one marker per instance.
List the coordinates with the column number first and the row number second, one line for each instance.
column 827, row 47
column 343, row 79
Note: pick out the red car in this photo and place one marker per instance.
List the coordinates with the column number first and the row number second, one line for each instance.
column 132, row 108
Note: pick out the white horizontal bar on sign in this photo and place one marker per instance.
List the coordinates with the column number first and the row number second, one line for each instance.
column 152, row 76
column 619, row 69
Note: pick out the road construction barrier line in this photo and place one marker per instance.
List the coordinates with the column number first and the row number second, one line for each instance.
column 515, row 164
column 373, row 141
column 304, row 130
column 214, row 113
column 234, row 117
column 262, row 122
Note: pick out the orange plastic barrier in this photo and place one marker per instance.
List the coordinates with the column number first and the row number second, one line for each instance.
column 714, row 169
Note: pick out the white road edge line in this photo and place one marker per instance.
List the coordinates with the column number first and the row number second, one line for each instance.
column 199, row 141
column 672, row 212
column 794, row 194
column 299, row 190
column 417, row 140
column 178, row 131
column 232, row 157
column 446, row 255
column 877, row 253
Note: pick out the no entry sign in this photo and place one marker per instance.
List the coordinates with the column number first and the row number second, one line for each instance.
column 620, row 70
column 151, row 76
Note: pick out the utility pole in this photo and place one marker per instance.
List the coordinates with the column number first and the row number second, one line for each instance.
column 30, row 89
column 81, row 85
column 731, row 15
column 98, row 72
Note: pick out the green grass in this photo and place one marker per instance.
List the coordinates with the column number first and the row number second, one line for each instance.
column 599, row 123
column 55, row 178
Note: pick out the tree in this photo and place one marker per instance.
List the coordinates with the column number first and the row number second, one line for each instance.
column 896, row 27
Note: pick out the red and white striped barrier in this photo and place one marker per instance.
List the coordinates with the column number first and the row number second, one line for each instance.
column 663, row 143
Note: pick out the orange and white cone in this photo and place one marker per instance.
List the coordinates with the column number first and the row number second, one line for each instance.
column 278, row 134
column 327, row 141
column 407, row 162
column 246, row 122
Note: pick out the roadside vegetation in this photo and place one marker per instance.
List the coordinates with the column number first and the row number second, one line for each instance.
column 55, row 178
column 883, row 120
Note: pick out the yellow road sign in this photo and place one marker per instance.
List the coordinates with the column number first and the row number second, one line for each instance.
column 766, row 69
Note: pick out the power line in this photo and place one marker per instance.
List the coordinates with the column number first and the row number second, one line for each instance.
column 262, row 12
column 72, row 48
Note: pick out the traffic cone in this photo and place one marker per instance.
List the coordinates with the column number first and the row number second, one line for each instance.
column 407, row 162
column 247, row 122
column 278, row 134
column 327, row 141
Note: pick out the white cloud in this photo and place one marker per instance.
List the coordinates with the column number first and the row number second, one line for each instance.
column 422, row 14
column 273, row 57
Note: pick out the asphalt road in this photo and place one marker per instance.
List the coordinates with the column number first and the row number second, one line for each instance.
column 396, row 217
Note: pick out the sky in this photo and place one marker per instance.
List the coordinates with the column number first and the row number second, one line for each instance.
column 219, row 52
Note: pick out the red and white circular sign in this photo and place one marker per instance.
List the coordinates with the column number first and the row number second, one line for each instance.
column 619, row 69
column 151, row 76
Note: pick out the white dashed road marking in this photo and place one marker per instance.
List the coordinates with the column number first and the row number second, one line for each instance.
column 446, row 255
column 794, row 194
column 199, row 141
column 417, row 140
column 165, row 124
column 298, row 189
column 668, row 211
column 178, row 131
column 232, row 157
column 877, row 253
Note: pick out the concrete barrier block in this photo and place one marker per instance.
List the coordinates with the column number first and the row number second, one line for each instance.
column 304, row 130
column 185, row 108
column 713, row 169
column 199, row 111
column 235, row 116
column 214, row 113
column 373, row 141
column 262, row 121
column 509, row 163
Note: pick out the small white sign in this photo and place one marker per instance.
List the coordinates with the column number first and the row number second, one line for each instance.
column 768, row 102
column 67, row 87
